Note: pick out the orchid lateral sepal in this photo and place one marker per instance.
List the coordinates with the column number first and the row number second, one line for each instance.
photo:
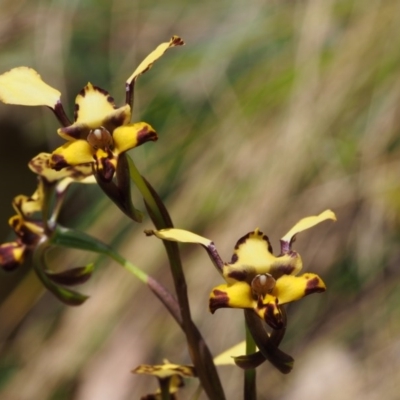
column 67, row 296
column 280, row 360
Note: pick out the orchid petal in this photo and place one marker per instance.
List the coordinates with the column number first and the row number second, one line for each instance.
column 71, row 154
column 40, row 165
column 179, row 235
column 127, row 137
column 148, row 62
column 291, row 288
column 24, row 86
column 307, row 223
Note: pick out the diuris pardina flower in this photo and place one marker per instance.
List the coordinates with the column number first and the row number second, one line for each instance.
column 259, row 282
column 101, row 131
column 170, row 377
column 34, row 226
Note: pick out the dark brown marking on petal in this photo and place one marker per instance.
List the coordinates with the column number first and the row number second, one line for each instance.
column 242, row 240
column 271, row 318
column 102, row 91
column 220, row 300
column 76, row 111
column 110, row 99
column 114, row 122
column 82, row 92
column 238, row 275
column 265, row 237
column 247, row 236
column 282, row 269
column 145, row 135
column 177, row 41
column 313, row 286
column 58, row 162
column 106, row 171
column 234, row 258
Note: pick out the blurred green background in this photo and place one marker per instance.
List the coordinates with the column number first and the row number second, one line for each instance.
column 274, row 110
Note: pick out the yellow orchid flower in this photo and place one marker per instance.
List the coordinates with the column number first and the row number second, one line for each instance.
column 29, row 234
column 255, row 278
column 170, row 377
column 101, row 132
column 28, row 224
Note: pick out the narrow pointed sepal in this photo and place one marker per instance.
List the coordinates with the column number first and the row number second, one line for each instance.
column 302, row 225
column 280, row 360
column 148, row 62
column 73, row 276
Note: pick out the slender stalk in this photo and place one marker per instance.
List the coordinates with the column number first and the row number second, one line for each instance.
column 79, row 240
column 198, row 349
column 250, row 384
column 164, row 388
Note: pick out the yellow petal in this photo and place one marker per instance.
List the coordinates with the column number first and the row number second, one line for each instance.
column 307, row 223
column 40, row 165
column 70, row 154
column 252, row 256
column 25, row 87
column 165, row 370
column 291, row 288
column 27, row 231
column 127, row 137
column 237, row 295
column 27, row 206
column 147, row 63
column 254, row 249
column 94, row 107
column 179, row 235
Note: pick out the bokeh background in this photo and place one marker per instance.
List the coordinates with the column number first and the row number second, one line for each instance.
column 274, row 110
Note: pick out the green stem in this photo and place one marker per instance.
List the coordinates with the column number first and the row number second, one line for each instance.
column 250, row 385
column 198, row 349
column 79, row 240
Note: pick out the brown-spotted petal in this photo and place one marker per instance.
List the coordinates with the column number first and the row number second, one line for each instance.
column 71, row 154
column 252, row 255
column 237, row 295
column 29, row 232
column 94, row 107
column 41, row 165
column 28, row 205
column 166, row 370
column 291, row 288
column 127, row 137
column 24, row 86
